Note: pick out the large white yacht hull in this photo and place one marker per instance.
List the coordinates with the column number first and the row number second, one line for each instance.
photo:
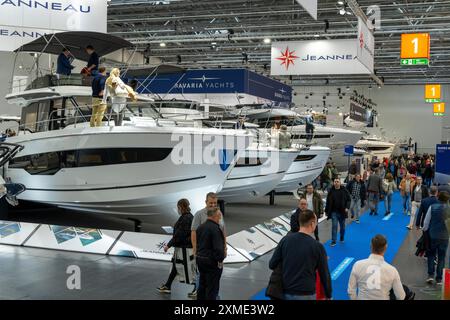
column 334, row 138
column 306, row 167
column 249, row 182
column 141, row 188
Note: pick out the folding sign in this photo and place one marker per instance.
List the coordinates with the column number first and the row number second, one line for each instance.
column 415, row 49
column 432, row 93
column 439, row 109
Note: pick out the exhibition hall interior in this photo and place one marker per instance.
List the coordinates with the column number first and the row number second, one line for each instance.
column 248, row 151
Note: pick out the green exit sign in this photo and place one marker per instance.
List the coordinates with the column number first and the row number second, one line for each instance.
column 439, row 114
column 432, row 100
column 414, row 62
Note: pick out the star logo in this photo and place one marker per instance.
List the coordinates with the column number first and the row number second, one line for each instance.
column 204, row 79
column 361, row 40
column 287, row 57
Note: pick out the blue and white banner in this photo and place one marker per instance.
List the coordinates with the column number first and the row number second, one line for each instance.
column 217, row 81
column 77, row 239
column 22, row 21
column 442, row 174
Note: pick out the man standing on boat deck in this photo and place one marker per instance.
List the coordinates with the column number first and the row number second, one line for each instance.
column 200, row 218
column 64, row 66
column 94, row 61
column 98, row 89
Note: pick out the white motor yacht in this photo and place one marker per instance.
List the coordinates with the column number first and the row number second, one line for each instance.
column 376, row 147
column 334, row 138
column 138, row 168
column 258, row 171
column 306, row 167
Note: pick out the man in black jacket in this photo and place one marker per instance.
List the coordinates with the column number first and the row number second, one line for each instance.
column 210, row 255
column 302, row 206
column 337, row 207
column 425, row 205
column 300, row 257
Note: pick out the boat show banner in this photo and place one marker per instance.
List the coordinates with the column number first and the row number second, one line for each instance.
column 73, row 239
column 217, row 81
column 16, row 233
column 143, row 245
column 274, row 229
column 316, row 57
column 22, row 21
column 251, row 243
column 442, row 174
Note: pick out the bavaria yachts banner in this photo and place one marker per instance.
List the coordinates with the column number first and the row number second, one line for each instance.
column 316, row 57
column 22, row 21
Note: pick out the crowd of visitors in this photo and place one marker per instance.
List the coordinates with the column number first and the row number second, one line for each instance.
column 203, row 236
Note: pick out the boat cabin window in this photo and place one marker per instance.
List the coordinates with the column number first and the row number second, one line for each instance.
column 51, row 162
column 288, row 121
column 29, row 116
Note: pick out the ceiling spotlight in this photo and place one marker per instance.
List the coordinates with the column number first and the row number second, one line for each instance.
column 162, row 44
column 213, row 43
column 340, row 2
column 342, row 11
column 267, row 40
column 347, row 88
column 316, row 35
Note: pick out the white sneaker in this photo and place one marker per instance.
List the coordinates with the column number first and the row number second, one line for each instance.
column 430, row 280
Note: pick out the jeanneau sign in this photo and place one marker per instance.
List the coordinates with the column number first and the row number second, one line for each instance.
column 22, row 21
column 46, row 5
column 316, row 57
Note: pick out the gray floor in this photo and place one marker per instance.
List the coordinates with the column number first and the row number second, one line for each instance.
column 27, row 273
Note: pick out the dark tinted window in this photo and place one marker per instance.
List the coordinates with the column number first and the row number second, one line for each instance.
column 51, row 162
column 305, row 157
column 249, row 162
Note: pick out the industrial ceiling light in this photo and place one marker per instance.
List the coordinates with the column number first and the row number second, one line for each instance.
column 162, row 44
column 267, row 40
column 316, row 35
column 341, row 3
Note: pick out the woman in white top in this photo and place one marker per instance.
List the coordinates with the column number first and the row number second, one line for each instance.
column 119, row 92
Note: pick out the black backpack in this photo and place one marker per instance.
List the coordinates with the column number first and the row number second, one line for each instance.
column 409, row 295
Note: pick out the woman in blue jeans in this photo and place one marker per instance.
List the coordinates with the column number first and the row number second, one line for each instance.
column 389, row 188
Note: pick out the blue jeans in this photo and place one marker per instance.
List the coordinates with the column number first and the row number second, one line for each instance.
column 407, row 203
column 437, row 247
column 295, row 297
column 373, row 201
column 337, row 219
column 388, row 202
column 355, row 208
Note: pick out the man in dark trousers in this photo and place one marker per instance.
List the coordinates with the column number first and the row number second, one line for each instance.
column 437, row 221
column 302, row 206
column 300, row 257
column 210, row 255
column 374, row 191
column 315, row 204
column 337, row 207
column 424, row 205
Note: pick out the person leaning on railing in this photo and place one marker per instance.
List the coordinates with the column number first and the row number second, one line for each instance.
column 118, row 91
column 98, row 106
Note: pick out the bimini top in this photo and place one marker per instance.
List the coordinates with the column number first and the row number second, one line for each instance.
column 144, row 71
column 76, row 42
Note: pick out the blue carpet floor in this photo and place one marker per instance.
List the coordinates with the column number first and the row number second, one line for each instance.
column 357, row 245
